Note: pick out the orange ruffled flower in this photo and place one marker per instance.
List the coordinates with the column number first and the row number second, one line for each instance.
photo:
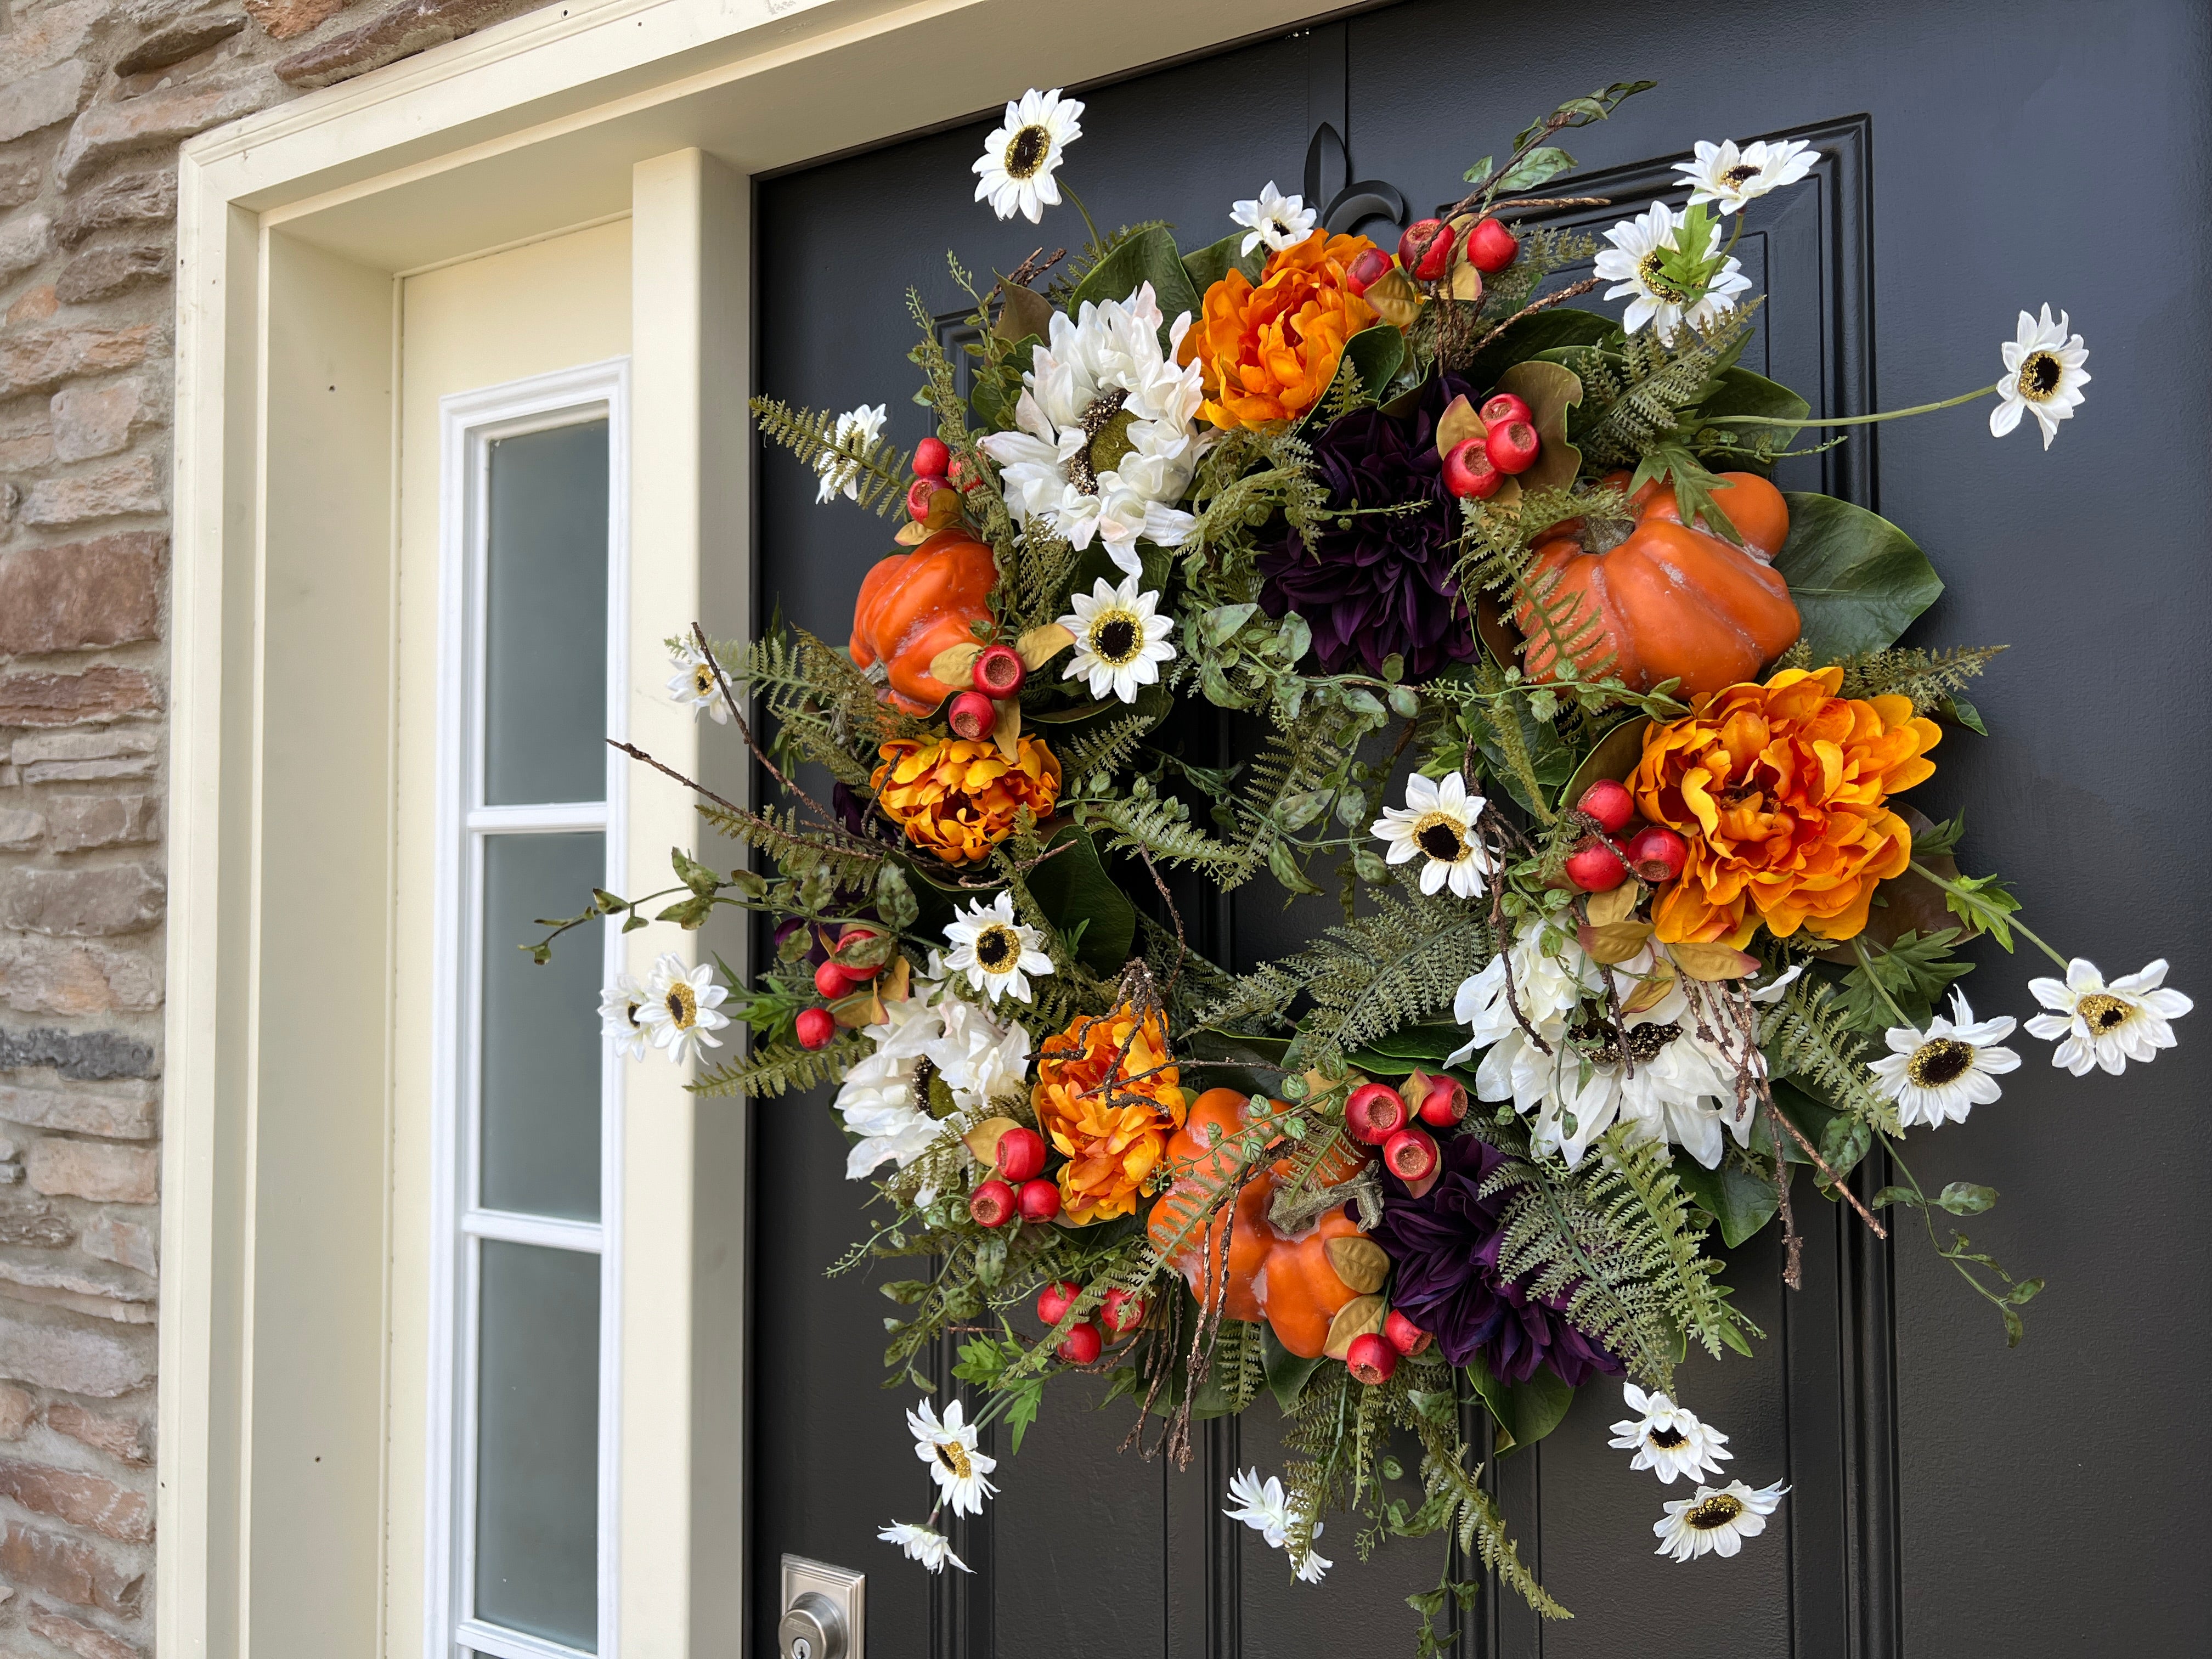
column 957, row 796
column 1268, row 354
column 1780, row 789
column 1114, row 1139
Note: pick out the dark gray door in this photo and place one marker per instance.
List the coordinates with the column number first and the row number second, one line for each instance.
column 1949, row 1498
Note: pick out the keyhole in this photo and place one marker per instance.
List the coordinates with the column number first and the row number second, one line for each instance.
column 801, row 1648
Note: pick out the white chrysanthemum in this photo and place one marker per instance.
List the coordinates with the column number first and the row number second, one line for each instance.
column 1278, row 221
column 693, row 685
column 619, row 1004
column 681, row 1008
column 1022, row 154
column 881, row 1098
column 2107, row 1025
column 923, row 1544
column 1120, row 639
column 2044, row 376
column 1633, row 264
column 996, row 952
column 1667, row 1439
column 948, row 1448
column 984, row 1064
column 1261, row 1505
column 1107, row 437
column 1729, row 177
column 1716, row 1521
column 1437, row 825
column 1939, row 1075
column 840, row 468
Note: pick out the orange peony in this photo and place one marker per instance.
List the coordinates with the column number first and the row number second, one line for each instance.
column 1780, row 789
column 1114, row 1139
column 1269, row 352
column 957, row 796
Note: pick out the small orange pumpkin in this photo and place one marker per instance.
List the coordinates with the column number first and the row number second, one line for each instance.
column 1288, row 1281
column 1672, row 602
column 913, row 605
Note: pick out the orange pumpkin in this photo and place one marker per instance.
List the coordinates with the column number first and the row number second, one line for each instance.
column 1671, row 601
column 1286, row 1279
column 913, row 605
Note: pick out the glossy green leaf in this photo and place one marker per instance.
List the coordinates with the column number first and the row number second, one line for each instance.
column 1546, row 332
column 1739, row 391
column 1858, row 580
column 1525, row 1412
column 1376, row 355
column 1073, row 887
column 1207, row 265
column 1287, row 1372
column 1741, row 1201
column 1151, row 258
column 1614, row 756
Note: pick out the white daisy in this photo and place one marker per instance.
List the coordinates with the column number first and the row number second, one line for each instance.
column 983, row 1063
column 1729, row 177
column 2107, row 1025
column 2043, row 376
column 680, row 1007
column 948, row 1448
column 1120, row 640
column 882, row 1098
column 1106, row 438
column 840, row 467
column 1716, row 1521
column 1261, row 1505
column 619, row 1004
column 1940, row 1075
column 693, row 685
column 1021, row 155
column 1437, row 824
column 923, row 1544
column 995, row 952
column 1278, row 221
column 1667, row 1438
column 1634, row 264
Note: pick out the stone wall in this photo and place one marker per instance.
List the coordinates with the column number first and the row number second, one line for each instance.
column 95, row 95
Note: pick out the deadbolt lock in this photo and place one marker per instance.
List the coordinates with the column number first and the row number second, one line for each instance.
column 823, row 1611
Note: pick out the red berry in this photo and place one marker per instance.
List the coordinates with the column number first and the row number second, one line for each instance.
column 1375, row 1112
column 1366, row 270
column 1468, row 471
column 960, row 474
column 1445, row 1103
column 991, row 1204
column 1596, row 868
column 999, row 672
column 931, row 458
column 1425, row 249
column 1658, row 854
column 1411, row 1154
column 1513, row 447
column 972, row 715
column 1403, row 1334
column 1122, row 1312
column 1608, row 801
column 854, row 936
column 1054, row 1300
column 1081, row 1345
column 1491, row 248
column 1020, row 1154
column 815, row 1027
column 919, row 494
column 1504, row 407
column 830, row 981
column 1372, row 1360
column 1040, row 1201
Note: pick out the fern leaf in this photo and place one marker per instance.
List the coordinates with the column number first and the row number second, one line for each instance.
column 776, row 1069
column 877, row 471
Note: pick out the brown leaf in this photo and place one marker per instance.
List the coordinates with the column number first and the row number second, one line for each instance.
column 1712, row 962
column 1651, row 989
column 1456, row 424
column 955, row 664
column 1025, row 311
column 911, row 535
column 983, row 1138
column 862, row 1008
column 1618, row 905
column 1614, row 942
column 1042, row 644
column 1361, row 1316
column 1008, row 731
column 893, row 982
column 1466, row 281
column 1547, row 389
column 1359, row 1262
column 1395, row 297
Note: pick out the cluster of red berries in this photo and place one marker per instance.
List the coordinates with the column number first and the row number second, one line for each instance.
column 935, row 468
column 1372, row 1357
column 1020, row 1188
column 1384, row 1116
column 998, row 673
column 1655, row 853
column 833, row 980
column 1119, row 1312
column 1505, row 443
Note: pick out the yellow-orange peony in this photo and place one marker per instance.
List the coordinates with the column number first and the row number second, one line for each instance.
column 1268, row 354
column 1115, row 1137
column 1780, row 791
column 957, row 796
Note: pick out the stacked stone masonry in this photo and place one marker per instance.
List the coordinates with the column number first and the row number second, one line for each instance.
column 95, row 96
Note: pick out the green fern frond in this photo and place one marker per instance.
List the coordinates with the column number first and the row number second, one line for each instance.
column 1928, row 677
column 1106, row 747
column 1807, row 1035
column 877, row 470
column 850, row 861
column 1651, row 1208
column 1635, row 398
column 1157, row 825
column 777, row 1069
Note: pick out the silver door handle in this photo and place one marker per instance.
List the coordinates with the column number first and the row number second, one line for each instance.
column 813, row 1627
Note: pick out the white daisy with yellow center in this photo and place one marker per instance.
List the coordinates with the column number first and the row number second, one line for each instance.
column 948, row 1447
column 1281, row 222
column 1014, row 171
column 1636, row 265
column 1729, row 177
column 923, row 1544
column 856, row 431
column 997, row 953
column 1436, row 826
column 681, row 1008
column 2107, row 1025
column 1667, row 1439
column 620, row 1005
column 1939, row 1075
column 2044, row 376
column 694, row 686
column 1717, row 1521
column 1120, row 639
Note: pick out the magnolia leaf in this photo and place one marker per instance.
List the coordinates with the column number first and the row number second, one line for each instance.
column 1614, row 755
column 1072, row 887
column 1741, row 1200
column 1618, row 905
column 1149, row 256
column 862, row 1008
column 1547, row 332
column 1466, row 281
column 1548, row 389
column 955, row 664
column 1651, row 990
column 1361, row 1316
column 1287, row 1372
column 1614, row 942
column 1359, row 1262
column 1024, row 311
column 1712, row 962
column 1374, row 355
column 983, row 1138
column 1525, row 1412
column 1042, row 644
column 1207, row 265
column 1456, row 424
column 1006, row 730
column 1396, row 301
column 894, row 986
column 1857, row 580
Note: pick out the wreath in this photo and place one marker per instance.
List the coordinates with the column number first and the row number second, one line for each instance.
column 1596, row 735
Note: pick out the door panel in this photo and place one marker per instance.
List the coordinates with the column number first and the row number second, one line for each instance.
column 1927, row 1511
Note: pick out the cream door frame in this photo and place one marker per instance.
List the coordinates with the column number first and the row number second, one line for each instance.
column 281, row 1527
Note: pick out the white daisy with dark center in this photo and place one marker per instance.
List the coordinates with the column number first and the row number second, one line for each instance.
column 1667, row 1439
column 620, row 1003
column 1729, row 177
column 2044, row 376
column 923, row 1544
column 2107, row 1025
column 1022, row 154
column 997, row 953
column 840, row 466
column 1939, row 1075
column 1636, row 265
column 694, row 686
column 1120, row 639
column 1436, row 826
column 1716, row 1521
column 681, row 1007
column 1281, row 222
column 948, row 1447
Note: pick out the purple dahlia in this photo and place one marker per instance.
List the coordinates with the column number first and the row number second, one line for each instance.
column 1383, row 583
column 1445, row 1245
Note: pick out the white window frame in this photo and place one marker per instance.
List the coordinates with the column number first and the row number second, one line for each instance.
column 469, row 424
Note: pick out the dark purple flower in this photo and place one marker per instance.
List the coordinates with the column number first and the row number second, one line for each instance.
column 1384, row 582
column 1445, row 1245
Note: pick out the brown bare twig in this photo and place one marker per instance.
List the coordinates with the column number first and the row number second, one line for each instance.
column 1544, row 304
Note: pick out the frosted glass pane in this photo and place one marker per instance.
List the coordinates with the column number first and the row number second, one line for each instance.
column 546, row 649
column 537, row 1443
column 541, row 1028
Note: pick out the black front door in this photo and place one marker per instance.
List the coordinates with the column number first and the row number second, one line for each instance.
column 1948, row 1496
